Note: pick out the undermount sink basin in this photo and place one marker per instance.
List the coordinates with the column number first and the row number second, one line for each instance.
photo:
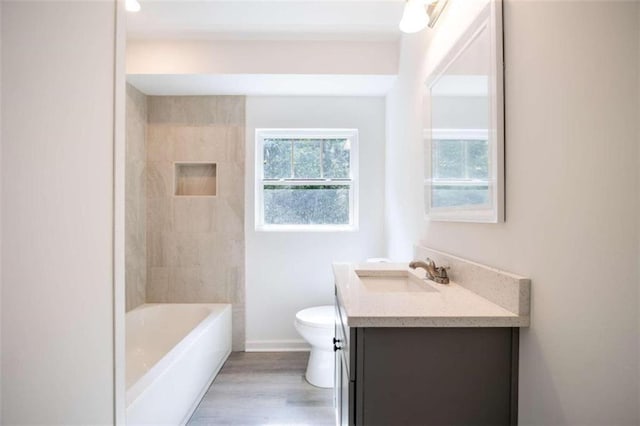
column 393, row 281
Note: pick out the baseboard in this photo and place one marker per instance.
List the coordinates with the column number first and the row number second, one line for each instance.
column 277, row 346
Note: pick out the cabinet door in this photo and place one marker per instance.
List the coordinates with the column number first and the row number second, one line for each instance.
column 436, row 376
column 337, row 383
column 345, row 386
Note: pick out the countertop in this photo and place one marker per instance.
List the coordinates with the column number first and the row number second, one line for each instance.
column 450, row 305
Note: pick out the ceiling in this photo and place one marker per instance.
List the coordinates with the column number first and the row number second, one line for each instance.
column 338, row 20
column 267, row 19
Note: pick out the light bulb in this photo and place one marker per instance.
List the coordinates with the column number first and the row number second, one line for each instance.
column 414, row 17
column 132, row 5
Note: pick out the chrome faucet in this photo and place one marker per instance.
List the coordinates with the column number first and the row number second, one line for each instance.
column 435, row 273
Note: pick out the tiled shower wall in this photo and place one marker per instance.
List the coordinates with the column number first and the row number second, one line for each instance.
column 135, row 199
column 195, row 244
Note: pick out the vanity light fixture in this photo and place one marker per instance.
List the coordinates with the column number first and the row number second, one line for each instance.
column 132, row 5
column 418, row 14
column 414, row 17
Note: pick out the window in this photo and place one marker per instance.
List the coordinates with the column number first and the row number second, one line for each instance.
column 460, row 168
column 306, row 179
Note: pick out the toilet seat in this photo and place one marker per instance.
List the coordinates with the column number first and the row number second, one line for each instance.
column 319, row 317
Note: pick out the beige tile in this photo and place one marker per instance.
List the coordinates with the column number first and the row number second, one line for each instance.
column 230, row 110
column 182, row 109
column 227, row 221
column 207, row 249
column 223, row 140
column 160, row 213
column 135, row 198
column 135, row 180
column 194, row 214
column 135, row 205
column 229, row 252
column 158, row 285
column 136, row 132
column 195, row 144
column 160, row 109
column 219, row 138
column 197, row 109
column 235, row 144
column 160, row 140
column 132, row 222
column 135, row 286
column 207, row 143
column 160, row 179
column 185, row 285
column 135, row 251
column 136, row 123
column 236, row 249
column 141, row 287
column 215, row 289
column 235, row 285
column 238, row 327
column 161, row 248
column 231, row 187
column 222, row 249
column 186, row 249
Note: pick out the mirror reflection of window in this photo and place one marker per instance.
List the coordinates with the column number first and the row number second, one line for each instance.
column 460, row 169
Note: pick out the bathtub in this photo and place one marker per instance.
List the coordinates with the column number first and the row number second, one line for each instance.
column 173, row 353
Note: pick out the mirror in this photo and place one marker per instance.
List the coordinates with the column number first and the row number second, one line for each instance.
column 464, row 137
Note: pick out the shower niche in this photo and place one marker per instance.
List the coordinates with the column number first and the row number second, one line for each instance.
column 195, row 179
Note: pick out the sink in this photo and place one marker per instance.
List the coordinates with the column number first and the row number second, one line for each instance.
column 393, row 281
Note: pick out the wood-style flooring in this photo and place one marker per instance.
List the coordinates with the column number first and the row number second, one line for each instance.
column 258, row 388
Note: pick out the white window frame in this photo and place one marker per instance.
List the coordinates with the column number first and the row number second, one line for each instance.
column 350, row 134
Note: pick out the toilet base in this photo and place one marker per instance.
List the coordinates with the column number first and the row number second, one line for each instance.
column 320, row 369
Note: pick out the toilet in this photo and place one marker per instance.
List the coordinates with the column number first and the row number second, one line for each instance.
column 316, row 325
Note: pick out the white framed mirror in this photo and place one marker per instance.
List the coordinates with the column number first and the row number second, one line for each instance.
column 464, row 134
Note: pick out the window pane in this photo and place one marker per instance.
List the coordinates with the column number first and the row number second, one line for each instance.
column 306, row 159
column 455, row 195
column 335, row 158
column 448, row 159
column 277, row 158
column 306, row 205
column 478, row 159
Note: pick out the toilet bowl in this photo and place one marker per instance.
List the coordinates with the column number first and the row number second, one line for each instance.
column 316, row 326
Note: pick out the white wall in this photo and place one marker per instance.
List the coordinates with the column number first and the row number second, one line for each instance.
column 571, row 199
column 0, row 213
column 57, row 217
column 261, row 57
column 288, row 271
column 404, row 208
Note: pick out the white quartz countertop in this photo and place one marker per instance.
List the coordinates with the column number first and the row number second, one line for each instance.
column 446, row 305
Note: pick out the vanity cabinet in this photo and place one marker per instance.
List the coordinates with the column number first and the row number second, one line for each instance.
column 425, row 375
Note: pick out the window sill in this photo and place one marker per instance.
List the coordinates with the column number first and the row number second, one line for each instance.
column 306, row 228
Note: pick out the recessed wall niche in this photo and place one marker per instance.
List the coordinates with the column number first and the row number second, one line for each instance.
column 195, row 179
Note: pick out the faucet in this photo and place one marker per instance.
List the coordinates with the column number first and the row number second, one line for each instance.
column 435, row 273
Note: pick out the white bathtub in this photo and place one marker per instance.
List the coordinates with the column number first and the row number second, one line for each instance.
column 173, row 353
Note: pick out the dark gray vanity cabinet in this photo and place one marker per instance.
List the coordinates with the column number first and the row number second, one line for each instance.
column 425, row 376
